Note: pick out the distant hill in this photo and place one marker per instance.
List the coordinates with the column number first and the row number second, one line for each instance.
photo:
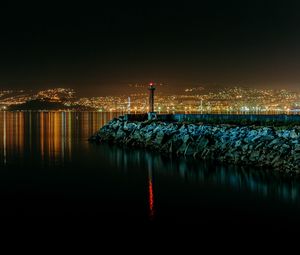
column 36, row 105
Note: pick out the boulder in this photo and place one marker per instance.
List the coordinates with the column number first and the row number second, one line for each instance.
column 263, row 146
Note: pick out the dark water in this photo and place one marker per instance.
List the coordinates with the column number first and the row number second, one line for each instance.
column 49, row 173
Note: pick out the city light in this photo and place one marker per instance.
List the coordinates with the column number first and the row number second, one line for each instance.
column 228, row 100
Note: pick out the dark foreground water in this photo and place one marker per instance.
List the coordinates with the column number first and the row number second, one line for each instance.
column 50, row 174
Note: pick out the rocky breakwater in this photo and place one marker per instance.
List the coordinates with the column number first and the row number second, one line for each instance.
column 277, row 148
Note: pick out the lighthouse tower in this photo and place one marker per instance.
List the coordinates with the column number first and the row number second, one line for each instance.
column 151, row 113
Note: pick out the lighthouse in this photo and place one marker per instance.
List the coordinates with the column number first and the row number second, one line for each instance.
column 151, row 113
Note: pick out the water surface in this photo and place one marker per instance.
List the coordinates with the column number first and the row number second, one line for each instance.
column 49, row 172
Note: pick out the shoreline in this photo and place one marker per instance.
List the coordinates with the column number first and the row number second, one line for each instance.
column 250, row 145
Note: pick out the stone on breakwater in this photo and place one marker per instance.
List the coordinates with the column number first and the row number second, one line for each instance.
column 250, row 145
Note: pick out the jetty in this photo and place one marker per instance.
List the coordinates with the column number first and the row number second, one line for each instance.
column 256, row 140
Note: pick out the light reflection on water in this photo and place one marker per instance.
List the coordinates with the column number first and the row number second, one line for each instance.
column 49, row 140
column 45, row 137
column 265, row 184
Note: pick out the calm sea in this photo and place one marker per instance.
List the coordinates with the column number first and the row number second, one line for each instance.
column 50, row 173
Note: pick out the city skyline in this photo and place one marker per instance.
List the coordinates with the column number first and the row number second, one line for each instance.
column 102, row 49
column 191, row 100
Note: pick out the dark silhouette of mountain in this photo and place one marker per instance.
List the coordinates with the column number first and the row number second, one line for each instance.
column 39, row 105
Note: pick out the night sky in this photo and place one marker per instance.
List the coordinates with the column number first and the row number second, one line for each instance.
column 100, row 49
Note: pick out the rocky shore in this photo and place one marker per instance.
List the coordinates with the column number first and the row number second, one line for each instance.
column 276, row 148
